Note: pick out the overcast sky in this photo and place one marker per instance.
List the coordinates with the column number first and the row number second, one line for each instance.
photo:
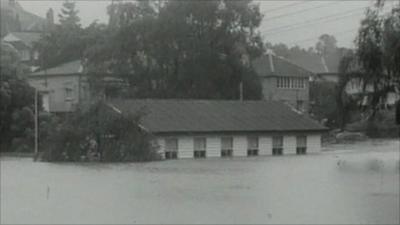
column 291, row 22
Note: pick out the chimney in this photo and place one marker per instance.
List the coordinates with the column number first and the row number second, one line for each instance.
column 50, row 18
column 270, row 54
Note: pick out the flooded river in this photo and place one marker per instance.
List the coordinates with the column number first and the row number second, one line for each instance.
column 351, row 183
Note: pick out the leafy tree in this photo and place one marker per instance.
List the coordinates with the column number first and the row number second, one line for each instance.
column 69, row 15
column 180, row 49
column 326, row 44
column 378, row 53
column 65, row 41
column 17, row 103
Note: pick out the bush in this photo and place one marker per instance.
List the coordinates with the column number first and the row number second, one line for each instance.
column 99, row 133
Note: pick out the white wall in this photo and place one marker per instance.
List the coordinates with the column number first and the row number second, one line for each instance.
column 213, row 144
column 265, row 145
column 239, row 145
column 289, row 144
column 185, row 147
column 314, row 143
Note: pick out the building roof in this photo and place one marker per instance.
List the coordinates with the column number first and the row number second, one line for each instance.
column 317, row 63
column 272, row 65
column 186, row 116
column 69, row 68
column 28, row 38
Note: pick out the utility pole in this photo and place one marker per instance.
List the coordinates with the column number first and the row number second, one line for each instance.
column 241, row 90
column 36, row 123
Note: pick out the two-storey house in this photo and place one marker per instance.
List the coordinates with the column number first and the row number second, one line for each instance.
column 283, row 80
column 62, row 87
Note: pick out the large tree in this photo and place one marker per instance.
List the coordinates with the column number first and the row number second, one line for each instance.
column 378, row 52
column 17, row 102
column 181, row 49
column 64, row 41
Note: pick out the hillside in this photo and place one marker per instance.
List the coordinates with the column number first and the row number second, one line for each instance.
column 15, row 18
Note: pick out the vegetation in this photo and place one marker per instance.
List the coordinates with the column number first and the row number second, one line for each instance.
column 67, row 40
column 99, row 132
column 377, row 56
column 17, row 104
column 324, row 106
column 180, row 49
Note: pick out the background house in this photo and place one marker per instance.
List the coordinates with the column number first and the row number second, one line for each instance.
column 62, row 87
column 24, row 43
column 283, row 80
column 217, row 128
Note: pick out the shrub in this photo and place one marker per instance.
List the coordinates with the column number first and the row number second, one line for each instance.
column 99, row 133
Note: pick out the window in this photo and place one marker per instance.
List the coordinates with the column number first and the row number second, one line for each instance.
column 302, row 83
column 226, row 146
column 301, row 145
column 68, row 94
column 252, row 146
column 171, row 148
column 199, row 147
column 277, row 145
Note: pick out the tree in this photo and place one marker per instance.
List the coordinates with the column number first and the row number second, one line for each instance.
column 326, row 44
column 17, row 102
column 64, row 42
column 69, row 15
column 181, row 49
column 378, row 53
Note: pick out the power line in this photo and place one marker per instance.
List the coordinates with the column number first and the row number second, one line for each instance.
column 299, row 11
column 316, row 37
column 331, row 18
column 285, row 6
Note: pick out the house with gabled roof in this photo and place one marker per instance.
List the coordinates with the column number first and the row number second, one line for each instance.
column 62, row 87
column 283, row 80
column 24, row 43
column 224, row 128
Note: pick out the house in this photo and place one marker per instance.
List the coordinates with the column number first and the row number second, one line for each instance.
column 325, row 69
column 224, row 128
column 283, row 80
column 62, row 87
column 24, row 43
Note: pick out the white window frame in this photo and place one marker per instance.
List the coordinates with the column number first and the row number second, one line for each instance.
column 171, row 153
column 253, row 150
column 226, row 151
column 199, row 153
column 301, row 148
column 277, row 149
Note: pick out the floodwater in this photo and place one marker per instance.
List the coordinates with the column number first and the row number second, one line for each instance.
column 352, row 183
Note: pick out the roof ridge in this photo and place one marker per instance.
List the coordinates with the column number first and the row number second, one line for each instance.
column 194, row 100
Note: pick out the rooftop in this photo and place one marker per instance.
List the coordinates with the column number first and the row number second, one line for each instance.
column 69, row 68
column 272, row 65
column 28, row 38
column 185, row 116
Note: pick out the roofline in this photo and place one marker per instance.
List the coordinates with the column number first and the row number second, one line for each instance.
column 53, row 75
column 277, row 75
column 294, row 64
column 166, row 133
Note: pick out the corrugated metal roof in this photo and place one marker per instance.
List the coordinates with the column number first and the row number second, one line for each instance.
column 73, row 67
column 170, row 116
column 272, row 65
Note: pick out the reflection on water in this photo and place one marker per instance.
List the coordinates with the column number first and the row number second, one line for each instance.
column 354, row 183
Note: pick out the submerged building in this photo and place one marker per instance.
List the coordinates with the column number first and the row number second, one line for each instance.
column 223, row 128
